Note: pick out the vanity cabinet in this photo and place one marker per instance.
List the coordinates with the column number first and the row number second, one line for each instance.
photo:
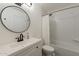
column 31, row 47
column 34, row 50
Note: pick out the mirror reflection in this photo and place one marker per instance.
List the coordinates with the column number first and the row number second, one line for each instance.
column 15, row 19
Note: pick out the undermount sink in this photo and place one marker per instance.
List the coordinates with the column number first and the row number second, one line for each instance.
column 14, row 45
column 21, row 44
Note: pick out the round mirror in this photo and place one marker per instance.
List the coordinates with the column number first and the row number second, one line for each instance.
column 15, row 19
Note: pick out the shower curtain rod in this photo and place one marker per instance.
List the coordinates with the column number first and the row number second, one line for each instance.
column 61, row 10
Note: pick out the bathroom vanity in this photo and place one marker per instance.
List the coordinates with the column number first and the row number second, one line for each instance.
column 28, row 47
column 16, row 19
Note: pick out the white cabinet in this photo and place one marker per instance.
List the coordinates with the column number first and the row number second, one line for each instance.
column 33, row 50
column 31, row 47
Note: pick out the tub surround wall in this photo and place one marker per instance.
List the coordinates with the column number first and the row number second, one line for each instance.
column 66, row 31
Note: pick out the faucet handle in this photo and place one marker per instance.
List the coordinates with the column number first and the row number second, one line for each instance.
column 18, row 39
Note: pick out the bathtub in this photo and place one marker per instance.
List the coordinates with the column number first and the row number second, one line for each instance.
column 65, row 51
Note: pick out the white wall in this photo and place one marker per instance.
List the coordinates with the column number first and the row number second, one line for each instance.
column 34, row 30
column 45, row 29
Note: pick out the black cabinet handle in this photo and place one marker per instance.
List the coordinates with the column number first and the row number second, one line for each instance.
column 36, row 46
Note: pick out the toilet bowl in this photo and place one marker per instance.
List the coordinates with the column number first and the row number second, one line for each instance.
column 48, row 51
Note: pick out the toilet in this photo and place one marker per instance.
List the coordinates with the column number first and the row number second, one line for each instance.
column 48, row 51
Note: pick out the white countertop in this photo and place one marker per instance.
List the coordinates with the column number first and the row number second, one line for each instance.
column 10, row 48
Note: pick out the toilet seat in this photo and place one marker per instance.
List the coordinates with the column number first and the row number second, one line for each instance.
column 48, row 48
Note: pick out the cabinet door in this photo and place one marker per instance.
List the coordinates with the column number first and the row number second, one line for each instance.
column 31, row 52
column 35, row 52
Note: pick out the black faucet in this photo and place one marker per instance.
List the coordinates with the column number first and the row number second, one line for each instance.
column 20, row 38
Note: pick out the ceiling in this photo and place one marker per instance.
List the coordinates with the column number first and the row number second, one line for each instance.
column 50, row 7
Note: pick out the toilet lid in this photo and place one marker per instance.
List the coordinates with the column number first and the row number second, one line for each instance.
column 48, row 48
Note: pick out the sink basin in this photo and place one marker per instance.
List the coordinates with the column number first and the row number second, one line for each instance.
column 28, row 42
column 14, row 45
